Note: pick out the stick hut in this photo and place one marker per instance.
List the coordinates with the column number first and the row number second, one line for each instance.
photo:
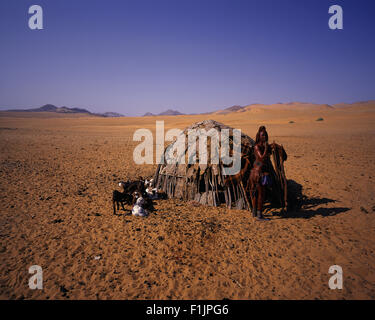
column 206, row 183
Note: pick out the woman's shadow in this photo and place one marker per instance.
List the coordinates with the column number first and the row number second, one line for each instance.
column 301, row 206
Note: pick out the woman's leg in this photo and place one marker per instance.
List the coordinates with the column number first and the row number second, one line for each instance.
column 254, row 201
column 253, row 191
column 260, row 198
column 261, row 191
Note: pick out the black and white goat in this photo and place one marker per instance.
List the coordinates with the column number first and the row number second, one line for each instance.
column 126, row 196
column 121, row 197
column 152, row 192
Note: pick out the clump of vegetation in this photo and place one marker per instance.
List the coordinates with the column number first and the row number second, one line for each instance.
column 291, row 121
column 320, row 119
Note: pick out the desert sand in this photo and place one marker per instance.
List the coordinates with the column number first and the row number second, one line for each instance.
column 57, row 174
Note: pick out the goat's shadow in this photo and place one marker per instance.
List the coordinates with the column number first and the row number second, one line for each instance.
column 123, row 213
column 128, row 212
column 301, row 206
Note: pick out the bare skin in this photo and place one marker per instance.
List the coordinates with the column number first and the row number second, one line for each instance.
column 261, row 151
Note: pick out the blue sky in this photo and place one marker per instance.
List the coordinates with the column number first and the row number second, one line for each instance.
column 191, row 55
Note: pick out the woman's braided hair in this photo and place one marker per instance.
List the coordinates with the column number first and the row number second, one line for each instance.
column 261, row 128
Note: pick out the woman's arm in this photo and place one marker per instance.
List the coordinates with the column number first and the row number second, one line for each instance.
column 259, row 155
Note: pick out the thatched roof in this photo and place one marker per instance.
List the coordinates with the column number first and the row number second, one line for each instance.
column 206, row 183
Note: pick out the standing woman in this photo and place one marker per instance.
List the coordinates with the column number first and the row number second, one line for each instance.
column 259, row 176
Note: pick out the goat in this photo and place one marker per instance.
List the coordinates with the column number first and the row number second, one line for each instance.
column 120, row 198
column 149, row 183
column 129, row 187
column 133, row 186
column 142, row 204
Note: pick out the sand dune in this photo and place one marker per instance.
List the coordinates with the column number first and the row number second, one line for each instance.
column 293, row 107
column 56, row 179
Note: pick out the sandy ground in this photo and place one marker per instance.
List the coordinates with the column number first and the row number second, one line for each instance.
column 56, row 179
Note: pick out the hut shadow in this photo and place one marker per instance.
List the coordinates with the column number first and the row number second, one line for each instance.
column 301, row 206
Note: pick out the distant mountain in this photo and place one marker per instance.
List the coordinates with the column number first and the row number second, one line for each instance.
column 110, row 114
column 256, row 107
column 148, row 114
column 359, row 103
column 234, row 108
column 76, row 110
column 45, row 108
column 52, row 108
column 169, row 112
